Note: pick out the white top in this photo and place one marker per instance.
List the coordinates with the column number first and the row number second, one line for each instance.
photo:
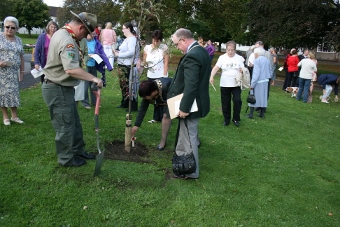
column 155, row 61
column 230, row 68
column 308, row 67
column 126, row 51
column 251, row 59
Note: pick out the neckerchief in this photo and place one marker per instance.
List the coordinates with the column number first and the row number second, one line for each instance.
column 69, row 30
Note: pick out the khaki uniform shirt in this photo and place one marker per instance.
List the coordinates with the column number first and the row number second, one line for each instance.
column 63, row 54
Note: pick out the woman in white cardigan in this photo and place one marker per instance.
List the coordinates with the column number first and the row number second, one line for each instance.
column 308, row 68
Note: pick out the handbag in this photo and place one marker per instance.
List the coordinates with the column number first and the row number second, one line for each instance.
column 184, row 164
column 251, row 98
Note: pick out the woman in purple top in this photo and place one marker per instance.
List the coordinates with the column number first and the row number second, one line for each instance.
column 41, row 47
column 210, row 49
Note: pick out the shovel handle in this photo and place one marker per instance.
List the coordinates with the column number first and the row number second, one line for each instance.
column 97, row 94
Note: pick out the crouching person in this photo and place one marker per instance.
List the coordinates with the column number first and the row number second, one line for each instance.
column 154, row 92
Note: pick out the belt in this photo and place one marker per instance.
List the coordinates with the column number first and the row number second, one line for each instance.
column 47, row 81
column 127, row 66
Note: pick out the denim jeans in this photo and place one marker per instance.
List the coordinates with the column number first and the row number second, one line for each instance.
column 304, row 85
column 328, row 91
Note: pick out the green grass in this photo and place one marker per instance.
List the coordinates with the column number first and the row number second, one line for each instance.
column 26, row 39
column 279, row 171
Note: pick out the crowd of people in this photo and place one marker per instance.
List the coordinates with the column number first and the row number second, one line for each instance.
column 62, row 53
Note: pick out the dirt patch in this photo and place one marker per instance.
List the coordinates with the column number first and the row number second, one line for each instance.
column 116, row 151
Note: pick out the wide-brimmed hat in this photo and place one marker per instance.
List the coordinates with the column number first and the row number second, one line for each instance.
column 88, row 19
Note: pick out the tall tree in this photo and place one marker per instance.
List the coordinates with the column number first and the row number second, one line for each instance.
column 6, row 9
column 289, row 22
column 331, row 40
column 105, row 10
column 31, row 14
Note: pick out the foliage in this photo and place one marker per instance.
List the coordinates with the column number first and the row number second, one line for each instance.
column 31, row 14
column 105, row 10
column 290, row 23
column 6, row 9
column 146, row 13
column 228, row 23
column 333, row 36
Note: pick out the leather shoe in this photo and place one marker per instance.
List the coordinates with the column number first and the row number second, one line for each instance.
column 160, row 148
column 236, row 123
column 76, row 161
column 86, row 155
column 250, row 116
column 226, row 123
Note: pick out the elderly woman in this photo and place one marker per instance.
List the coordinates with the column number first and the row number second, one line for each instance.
column 308, row 68
column 11, row 62
column 126, row 57
column 41, row 47
column 108, row 38
column 231, row 64
column 156, row 58
column 259, row 82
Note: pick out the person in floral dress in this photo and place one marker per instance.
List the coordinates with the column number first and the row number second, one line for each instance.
column 11, row 67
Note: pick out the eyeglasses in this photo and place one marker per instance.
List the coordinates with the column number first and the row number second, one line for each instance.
column 9, row 27
column 176, row 44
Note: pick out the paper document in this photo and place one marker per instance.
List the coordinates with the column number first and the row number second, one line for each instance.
column 281, row 68
column 36, row 73
column 174, row 103
column 96, row 57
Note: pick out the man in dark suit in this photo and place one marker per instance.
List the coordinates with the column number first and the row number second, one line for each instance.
column 191, row 79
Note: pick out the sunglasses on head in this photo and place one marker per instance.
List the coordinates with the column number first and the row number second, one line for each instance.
column 8, row 27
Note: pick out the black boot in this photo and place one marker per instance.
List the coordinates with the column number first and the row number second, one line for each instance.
column 250, row 115
column 262, row 112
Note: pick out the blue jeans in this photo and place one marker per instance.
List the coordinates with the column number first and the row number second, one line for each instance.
column 304, row 85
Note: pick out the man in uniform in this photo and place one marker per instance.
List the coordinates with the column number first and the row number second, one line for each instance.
column 191, row 79
column 62, row 73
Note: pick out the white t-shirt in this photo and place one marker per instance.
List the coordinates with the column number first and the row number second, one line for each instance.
column 251, row 59
column 230, row 68
column 155, row 61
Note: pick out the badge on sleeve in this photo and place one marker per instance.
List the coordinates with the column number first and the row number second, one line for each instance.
column 70, row 50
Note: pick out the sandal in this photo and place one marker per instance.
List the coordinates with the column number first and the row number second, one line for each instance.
column 17, row 120
column 7, row 122
column 152, row 121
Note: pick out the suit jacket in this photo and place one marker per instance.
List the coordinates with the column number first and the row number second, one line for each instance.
column 192, row 79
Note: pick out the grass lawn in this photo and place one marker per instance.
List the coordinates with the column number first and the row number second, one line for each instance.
column 279, row 171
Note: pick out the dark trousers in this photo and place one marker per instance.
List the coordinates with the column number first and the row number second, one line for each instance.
column 158, row 110
column 226, row 94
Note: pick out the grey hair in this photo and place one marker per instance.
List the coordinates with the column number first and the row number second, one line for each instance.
column 231, row 43
column 183, row 33
column 260, row 51
column 13, row 20
column 260, row 43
